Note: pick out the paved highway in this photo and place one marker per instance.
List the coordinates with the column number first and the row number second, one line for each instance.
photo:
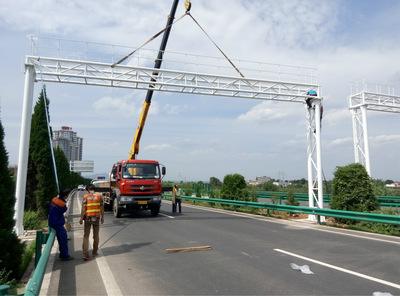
column 249, row 255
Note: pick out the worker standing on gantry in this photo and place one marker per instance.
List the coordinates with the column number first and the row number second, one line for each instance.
column 310, row 94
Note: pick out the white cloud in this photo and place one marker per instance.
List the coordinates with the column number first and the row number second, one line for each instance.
column 266, row 111
column 384, row 139
column 341, row 142
column 336, row 116
column 175, row 109
column 123, row 106
column 157, row 147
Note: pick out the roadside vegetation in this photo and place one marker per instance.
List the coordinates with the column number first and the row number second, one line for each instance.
column 11, row 249
column 351, row 189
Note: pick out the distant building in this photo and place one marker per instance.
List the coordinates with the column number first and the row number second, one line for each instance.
column 393, row 185
column 68, row 142
column 259, row 180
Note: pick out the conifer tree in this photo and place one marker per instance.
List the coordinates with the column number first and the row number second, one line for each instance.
column 10, row 246
column 41, row 182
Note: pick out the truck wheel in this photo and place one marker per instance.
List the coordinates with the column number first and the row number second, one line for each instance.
column 117, row 210
column 155, row 211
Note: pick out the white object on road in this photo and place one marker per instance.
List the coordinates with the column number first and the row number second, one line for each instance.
column 381, row 294
column 303, row 268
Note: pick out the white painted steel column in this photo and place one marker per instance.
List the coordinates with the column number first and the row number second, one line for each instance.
column 317, row 121
column 24, row 149
column 355, row 136
column 365, row 135
column 310, row 142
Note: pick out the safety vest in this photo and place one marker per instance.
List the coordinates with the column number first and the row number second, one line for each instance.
column 92, row 205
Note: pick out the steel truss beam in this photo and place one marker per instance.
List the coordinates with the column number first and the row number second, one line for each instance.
column 70, row 71
column 101, row 74
column 359, row 103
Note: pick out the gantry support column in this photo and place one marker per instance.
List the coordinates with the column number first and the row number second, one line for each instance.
column 24, row 148
column 360, row 137
column 314, row 163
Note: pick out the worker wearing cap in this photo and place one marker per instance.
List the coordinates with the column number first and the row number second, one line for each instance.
column 93, row 214
column 176, row 199
column 56, row 221
column 311, row 93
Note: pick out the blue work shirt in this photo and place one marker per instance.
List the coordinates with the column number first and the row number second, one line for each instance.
column 56, row 215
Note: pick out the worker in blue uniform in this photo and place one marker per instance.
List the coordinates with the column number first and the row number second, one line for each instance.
column 56, row 221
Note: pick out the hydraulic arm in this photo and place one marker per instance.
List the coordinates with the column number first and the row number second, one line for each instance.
column 146, row 105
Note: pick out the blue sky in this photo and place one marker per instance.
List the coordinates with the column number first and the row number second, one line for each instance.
column 197, row 137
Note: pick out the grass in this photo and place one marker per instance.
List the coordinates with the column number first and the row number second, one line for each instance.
column 27, row 256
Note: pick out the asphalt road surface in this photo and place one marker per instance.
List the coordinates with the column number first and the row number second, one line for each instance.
column 249, row 255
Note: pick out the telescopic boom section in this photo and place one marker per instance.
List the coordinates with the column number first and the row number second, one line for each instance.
column 146, row 105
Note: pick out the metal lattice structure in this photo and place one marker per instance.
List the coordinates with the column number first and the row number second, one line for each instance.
column 121, row 76
column 85, row 72
column 382, row 100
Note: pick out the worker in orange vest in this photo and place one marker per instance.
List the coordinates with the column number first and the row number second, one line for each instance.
column 93, row 214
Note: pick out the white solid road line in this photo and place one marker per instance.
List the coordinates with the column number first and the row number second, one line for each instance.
column 106, row 274
column 165, row 215
column 361, row 275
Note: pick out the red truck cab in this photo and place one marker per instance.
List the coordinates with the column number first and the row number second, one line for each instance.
column 136, row 185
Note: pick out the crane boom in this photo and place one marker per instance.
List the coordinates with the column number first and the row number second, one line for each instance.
column 134, row 150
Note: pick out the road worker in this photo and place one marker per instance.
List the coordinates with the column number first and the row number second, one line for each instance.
column 56, row 221
column 92, row 214
column 311, row 93
column 176, row 199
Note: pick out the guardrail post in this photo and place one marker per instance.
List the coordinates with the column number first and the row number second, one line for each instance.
column 38, row 247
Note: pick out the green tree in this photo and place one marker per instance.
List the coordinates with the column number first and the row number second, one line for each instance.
column 10, row 246
column 41, row 182
column 270, row 186
column 234, row 187
column 63, row 172
column 215, row 182
column 353, row 189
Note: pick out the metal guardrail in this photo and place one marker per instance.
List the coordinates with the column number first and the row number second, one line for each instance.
column 385, row 201
column 359, row 216
column 35, row 283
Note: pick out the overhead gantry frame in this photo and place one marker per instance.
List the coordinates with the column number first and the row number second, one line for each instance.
column 359, row 103
column 48, row 69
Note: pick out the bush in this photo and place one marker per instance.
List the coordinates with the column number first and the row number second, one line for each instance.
column 10, row 253
column 291, row 201
column 270, row 186
column 234, row 187
column 29, row 250
column 4, row 277
column 382, row 228
column 353, row 190
column 33, row 220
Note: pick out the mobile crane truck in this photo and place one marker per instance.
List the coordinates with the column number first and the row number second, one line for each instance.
column 137, row 184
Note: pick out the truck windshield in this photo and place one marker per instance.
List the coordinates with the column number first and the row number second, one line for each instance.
column 140, row 171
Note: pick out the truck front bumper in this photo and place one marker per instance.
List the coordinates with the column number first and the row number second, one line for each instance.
column 139, row 201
